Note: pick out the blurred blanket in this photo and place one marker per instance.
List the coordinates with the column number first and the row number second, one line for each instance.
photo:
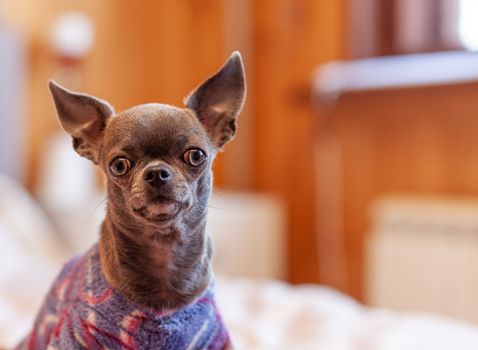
column 263, row 315
column 30, row 256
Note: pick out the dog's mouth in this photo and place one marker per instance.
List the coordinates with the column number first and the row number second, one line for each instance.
column 158, row 209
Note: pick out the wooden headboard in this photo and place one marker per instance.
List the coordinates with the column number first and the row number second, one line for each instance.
column 387, row 125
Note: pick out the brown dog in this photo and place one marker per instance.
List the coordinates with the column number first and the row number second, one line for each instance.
column 154, row 250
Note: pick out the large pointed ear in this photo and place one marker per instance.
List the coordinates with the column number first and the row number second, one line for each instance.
column 218, row 101
column 84, row 117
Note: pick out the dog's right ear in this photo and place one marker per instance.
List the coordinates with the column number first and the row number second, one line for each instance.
column 84, row 117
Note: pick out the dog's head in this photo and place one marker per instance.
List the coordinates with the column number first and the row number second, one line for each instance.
column 157, row 158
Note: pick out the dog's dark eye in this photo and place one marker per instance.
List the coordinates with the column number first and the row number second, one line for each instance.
column 120, row 166
column 194, row 157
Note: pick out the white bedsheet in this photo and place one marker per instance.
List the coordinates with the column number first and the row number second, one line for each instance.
column 275, row 315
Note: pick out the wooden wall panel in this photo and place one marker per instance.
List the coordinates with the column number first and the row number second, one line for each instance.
column 290, row 39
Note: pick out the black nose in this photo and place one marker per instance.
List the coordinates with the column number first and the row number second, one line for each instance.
column 157, row 175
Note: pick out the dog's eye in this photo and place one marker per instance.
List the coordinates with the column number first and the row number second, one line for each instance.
column 194, row 157
column 120, row 166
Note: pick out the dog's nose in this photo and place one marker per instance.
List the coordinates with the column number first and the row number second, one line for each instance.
column 157, row 175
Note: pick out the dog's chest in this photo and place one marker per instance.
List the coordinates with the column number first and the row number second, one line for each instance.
column 83, row 311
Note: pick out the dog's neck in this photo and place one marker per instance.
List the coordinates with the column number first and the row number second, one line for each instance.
column 164, row 268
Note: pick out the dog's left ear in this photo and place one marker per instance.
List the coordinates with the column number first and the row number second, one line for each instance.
column 219, row 100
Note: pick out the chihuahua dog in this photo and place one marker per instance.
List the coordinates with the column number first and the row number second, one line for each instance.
column 148, row 283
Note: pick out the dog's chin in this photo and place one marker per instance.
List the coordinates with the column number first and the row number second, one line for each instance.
column 160, row 212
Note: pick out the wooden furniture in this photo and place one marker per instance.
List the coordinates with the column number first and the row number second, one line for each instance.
column 396, row 124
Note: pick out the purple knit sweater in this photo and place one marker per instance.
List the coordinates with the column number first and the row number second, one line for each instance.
column 83, row 311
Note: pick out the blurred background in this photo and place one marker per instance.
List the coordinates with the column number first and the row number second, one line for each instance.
column 356, row 160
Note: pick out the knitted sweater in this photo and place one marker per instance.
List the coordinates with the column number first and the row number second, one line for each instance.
column 83, row 311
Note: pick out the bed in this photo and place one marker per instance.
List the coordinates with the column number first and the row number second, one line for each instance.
column 260, row 313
